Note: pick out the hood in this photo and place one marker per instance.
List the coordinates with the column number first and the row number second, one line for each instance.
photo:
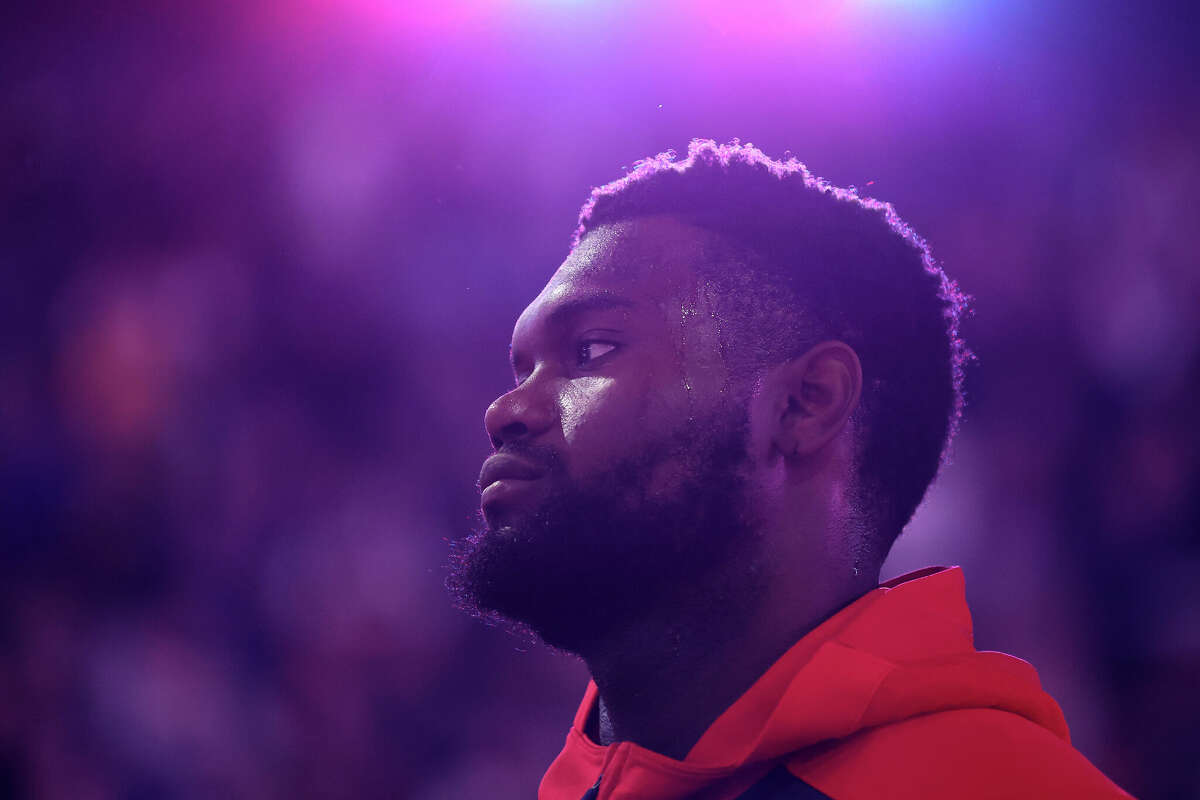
column 903, row 649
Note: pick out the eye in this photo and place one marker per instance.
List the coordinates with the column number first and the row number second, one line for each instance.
column 589, row 351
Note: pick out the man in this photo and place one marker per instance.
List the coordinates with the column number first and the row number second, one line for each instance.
column 729, row 400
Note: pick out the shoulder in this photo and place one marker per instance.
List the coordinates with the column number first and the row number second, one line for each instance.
column 976, row 752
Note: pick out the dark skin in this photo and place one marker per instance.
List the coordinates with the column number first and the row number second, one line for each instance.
column 624, row 340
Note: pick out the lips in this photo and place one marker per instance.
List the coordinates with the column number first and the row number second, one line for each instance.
column 506, row 467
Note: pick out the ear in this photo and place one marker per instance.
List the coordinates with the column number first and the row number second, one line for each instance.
column 808, row 400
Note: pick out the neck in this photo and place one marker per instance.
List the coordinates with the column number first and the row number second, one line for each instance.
column 664, row 678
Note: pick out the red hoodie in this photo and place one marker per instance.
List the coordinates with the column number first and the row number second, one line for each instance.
column 888, row 698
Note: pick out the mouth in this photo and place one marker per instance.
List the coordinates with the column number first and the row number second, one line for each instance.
column 505, row 468
column 502, row 481
column 504, row 490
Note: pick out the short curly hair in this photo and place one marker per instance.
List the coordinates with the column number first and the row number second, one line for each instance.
column 806, row 262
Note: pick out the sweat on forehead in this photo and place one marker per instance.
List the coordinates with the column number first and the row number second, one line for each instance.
column 643, row 248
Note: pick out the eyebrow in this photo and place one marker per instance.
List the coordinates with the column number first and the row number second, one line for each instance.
column 581, row 305
column 568, row 309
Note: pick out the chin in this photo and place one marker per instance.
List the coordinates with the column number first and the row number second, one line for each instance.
column 577, row 559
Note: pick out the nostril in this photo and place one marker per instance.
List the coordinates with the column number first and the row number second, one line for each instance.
column 513, row 430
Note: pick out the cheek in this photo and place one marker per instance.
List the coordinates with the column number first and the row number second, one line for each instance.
column 588, row 407
column 603, row 420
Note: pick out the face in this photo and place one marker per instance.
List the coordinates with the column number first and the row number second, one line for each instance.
column 619, row 477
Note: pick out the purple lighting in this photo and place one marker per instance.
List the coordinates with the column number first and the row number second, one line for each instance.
column 262, row 265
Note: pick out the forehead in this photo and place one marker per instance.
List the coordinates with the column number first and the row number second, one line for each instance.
column 650, row 261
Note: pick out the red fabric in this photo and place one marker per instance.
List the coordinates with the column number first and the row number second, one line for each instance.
column 886, row 698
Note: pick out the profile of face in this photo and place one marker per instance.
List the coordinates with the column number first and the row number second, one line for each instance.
column 620, row 477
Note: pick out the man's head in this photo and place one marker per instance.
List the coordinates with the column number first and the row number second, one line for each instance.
column 732, row 346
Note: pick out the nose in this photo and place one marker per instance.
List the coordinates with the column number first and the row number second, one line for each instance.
column 525, row 412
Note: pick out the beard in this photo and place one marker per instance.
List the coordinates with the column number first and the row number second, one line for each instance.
column 593, row 557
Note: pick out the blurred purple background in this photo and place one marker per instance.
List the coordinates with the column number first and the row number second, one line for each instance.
column 261, row 263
